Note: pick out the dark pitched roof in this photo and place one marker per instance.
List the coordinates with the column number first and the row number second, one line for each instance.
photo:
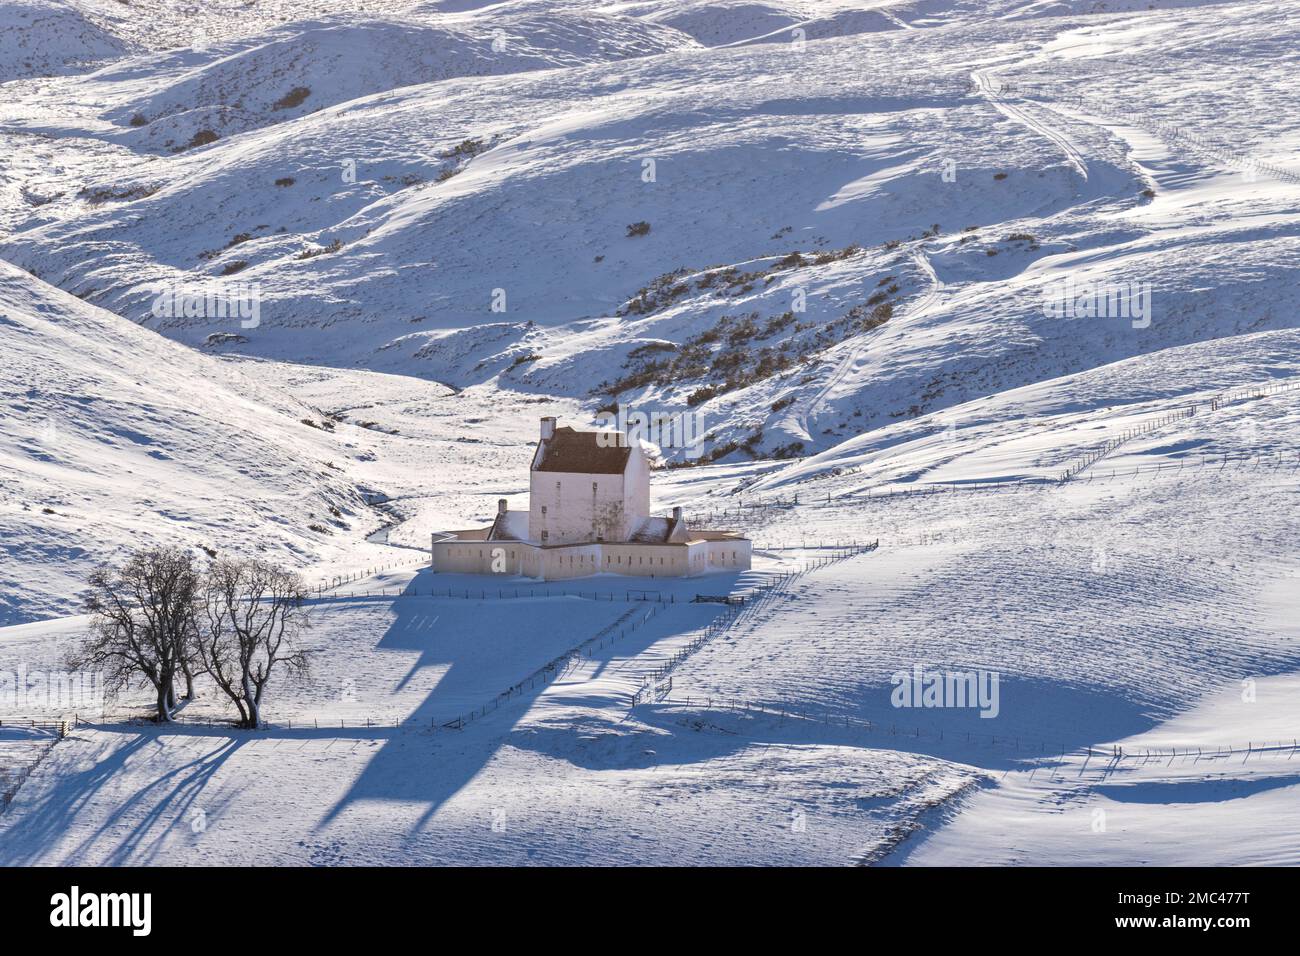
column 574, row 451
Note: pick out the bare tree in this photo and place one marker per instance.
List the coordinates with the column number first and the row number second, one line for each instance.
column 142, row 622
column 188, row 666
column 254, row 620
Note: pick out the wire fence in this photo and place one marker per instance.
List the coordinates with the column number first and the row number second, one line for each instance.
column 962, row 487
column 1086, row 461
column 39, row 737
column 1079, row 465
column 109, row 721
column 36, row 724
column 338, row 580
column 659, row 682
column 1197, row 751
column 740, row 511
column 1275, row 462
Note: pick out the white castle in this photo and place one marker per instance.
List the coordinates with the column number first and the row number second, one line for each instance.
column 588, row 513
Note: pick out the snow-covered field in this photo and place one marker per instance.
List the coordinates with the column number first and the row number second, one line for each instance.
column 857, row 211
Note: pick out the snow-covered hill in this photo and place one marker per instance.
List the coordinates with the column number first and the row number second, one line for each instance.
column 49, row 39
column 476, row 229
column 163, row 101
column 113, row 438
column 844, row 233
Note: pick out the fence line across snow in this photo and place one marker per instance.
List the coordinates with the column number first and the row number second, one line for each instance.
column 52, row 732
column 659, row 682
column 1233, row 397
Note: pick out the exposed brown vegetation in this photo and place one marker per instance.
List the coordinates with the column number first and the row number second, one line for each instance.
column 291, row 99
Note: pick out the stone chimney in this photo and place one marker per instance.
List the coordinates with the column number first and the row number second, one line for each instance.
column 501, row 506
column 548, row 428
column 677, row 515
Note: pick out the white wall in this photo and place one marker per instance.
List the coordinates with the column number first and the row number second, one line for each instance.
column 636, row 491
column 575, row 508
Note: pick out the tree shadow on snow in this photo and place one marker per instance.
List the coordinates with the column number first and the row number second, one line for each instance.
column 139, row 822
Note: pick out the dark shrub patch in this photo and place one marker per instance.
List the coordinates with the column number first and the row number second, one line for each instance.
column 291, row 99
column 465, row 148
column 701, row 395
column 201, row 138
column 334, row 246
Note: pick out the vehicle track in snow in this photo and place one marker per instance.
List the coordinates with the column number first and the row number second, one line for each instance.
column 991, row 87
